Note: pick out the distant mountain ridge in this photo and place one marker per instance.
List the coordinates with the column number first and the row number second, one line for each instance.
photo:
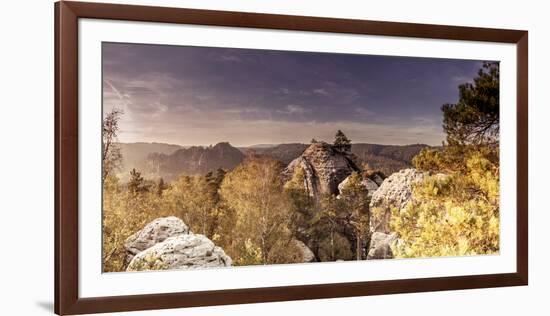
column 387, row 158
column 194, row 160
column 285, row 153
column 168, row 161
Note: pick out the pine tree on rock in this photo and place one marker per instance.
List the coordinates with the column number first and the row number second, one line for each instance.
column 341, row 142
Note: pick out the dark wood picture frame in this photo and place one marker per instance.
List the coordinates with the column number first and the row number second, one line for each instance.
column 67, row 14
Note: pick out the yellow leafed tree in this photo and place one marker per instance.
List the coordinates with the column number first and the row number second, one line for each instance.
column 452, row 214
column 254, row 190
column 124, row 213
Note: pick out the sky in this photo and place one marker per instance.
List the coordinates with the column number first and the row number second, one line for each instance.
column 203, row 95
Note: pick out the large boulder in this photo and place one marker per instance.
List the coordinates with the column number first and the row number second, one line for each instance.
column 307, row 254
column 191, row 251
column 380, row 246
column 324, row 168
column 395, row 192
column 156, row 231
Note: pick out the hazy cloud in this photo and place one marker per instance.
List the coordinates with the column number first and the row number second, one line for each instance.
column 320, row 92
column 200, row 95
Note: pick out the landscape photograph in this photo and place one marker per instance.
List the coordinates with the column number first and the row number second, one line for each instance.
column 224, row 157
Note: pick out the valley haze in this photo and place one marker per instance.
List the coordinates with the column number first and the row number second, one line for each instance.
column 168, row 161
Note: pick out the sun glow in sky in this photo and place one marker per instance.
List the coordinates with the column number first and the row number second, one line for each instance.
column 201, row 96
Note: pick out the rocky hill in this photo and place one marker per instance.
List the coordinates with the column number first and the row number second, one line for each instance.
column 134, row 155
column 387, row 158
column 193, row 160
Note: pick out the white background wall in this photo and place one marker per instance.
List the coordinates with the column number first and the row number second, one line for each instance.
column 26, row 157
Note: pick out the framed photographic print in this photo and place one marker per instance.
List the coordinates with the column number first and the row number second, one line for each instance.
column 211, row 157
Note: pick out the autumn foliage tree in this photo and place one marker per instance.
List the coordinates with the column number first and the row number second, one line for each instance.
column 126, row 209
column 192, row 199
column 354, row 196
column 303, row 207
column 254, row 190
column 453, row 214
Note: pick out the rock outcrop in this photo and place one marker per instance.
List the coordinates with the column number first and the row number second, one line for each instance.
column 156, row 231
column 395, row 191
column 187, row 251
column 167, row 243
column 380, row 246
column 324, row 168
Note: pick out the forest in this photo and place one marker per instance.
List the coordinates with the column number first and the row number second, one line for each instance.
column 257, row 211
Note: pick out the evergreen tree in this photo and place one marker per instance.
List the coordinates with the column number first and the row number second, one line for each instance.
column 475, row 118
column 326, row 229
column 302, row 208
column 161, row 186
column 137, row 183
column 220, row 175
column 341, row 142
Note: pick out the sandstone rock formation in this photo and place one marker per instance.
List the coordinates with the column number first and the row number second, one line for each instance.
column 153, row 233
column 187, row 251
column 395, row 191
column 324, row 168
column 380, row 246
